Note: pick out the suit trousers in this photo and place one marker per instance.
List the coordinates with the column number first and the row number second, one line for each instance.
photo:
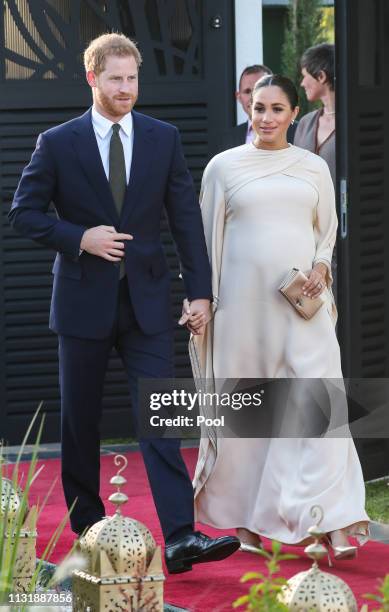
column 83, row 364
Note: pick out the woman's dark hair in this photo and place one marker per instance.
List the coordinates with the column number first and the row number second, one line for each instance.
column 320, row 58
column 283, row 83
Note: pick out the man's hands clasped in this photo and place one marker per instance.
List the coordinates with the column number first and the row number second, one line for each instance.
column 195, row 315
column 104, row 241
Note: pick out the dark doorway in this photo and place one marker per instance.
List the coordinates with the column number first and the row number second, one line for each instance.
column 186, row 79
column 362, row 49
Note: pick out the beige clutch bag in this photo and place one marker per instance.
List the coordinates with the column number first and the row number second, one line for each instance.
column 291, row 288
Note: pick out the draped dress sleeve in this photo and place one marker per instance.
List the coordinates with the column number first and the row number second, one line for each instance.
column 325, row 225
column 212, row 201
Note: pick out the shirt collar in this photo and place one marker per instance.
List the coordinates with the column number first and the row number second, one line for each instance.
column 103, row 126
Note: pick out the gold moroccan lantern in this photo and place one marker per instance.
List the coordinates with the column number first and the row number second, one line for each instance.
column 11, row 507
column 124, row 566
column 314, row 589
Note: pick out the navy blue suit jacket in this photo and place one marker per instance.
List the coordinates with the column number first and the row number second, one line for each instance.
column 66, row 168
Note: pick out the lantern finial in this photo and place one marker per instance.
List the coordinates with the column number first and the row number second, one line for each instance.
column 118, row 498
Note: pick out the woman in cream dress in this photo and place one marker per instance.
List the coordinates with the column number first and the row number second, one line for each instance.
column 267, row 207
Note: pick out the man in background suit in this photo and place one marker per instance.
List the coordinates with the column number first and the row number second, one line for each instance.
column 244, row 133
column 109, row 174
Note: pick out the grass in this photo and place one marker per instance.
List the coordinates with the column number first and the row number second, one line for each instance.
column 377, row 500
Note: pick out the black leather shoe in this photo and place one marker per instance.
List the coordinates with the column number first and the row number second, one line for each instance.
column 198, row 548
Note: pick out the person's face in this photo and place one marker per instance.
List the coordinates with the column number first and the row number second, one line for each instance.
column 115, row 89
column 314, row 88
column 272, row 115
column 246, row 87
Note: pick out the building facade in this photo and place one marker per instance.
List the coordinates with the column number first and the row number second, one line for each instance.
column 194, row 51
column 186, row 79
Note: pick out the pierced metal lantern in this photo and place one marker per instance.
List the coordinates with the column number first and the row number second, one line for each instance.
column 10, row 508
column 11, row 500
column 315, row 589
column 124, row 565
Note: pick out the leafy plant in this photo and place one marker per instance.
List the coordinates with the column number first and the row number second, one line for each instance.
column 11, row 524
column 377, row 500
column 382, row 597
column 328, row 24
column 263, row 594
column 303, row 29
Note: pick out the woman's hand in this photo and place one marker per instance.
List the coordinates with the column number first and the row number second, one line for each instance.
column 316, row 282
column 195, row 315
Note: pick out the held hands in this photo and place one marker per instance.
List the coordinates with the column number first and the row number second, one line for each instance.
column 195, row 315
column 104, row 241
column 316, row 282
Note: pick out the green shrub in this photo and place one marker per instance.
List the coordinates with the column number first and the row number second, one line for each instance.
column 382, row 598
column 12, row 524
column 263, row 594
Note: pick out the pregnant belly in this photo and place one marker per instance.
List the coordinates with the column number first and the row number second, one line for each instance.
column 274, row 249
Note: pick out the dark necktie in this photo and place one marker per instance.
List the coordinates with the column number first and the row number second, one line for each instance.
column 117, row 168
column 117, row 176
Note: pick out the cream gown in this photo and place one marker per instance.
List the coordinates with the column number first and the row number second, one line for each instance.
column 265, row 212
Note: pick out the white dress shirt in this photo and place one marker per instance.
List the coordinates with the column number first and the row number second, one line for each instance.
column 103, row 130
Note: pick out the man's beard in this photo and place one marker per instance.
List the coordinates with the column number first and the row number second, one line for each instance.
column 108, row 105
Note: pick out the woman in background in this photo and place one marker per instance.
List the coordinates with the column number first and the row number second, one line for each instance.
column 316, row 130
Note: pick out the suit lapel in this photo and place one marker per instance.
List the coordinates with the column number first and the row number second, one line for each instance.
column 142, row 157
column 240, row 134
column 88, row 153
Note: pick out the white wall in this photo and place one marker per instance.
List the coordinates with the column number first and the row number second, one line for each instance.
column 248, row 38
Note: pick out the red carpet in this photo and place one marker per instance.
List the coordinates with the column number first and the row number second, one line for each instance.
column 211, row 587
